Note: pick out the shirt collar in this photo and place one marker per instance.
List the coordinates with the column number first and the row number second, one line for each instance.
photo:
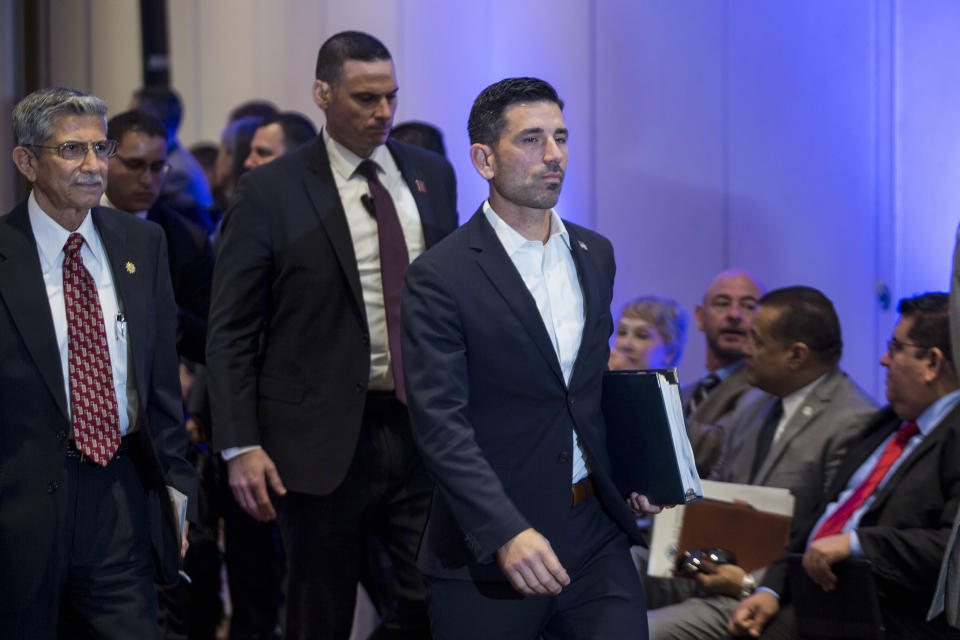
column 724, row 372
column 345, row 162
column 511, row 239
column 794, row 400
column 51, row 237
column 936, row 412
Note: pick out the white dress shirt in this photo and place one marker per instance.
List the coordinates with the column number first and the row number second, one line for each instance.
column 51, row 238
column 551, row 277
column 366, row 240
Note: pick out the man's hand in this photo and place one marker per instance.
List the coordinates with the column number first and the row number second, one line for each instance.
column 752, row 615
column 249, row 473
column 184, row 544
column 724, row 579
column 641, row 506
column 821, row 555
column 528, row 561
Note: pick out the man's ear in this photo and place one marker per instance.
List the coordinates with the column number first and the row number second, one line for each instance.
column 321, row 94
column 799, row 354
column 25, row 163
column 483, row 162
column 698, row 316
column 935, row 364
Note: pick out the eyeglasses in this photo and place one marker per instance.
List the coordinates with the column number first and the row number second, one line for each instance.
column 895, row 346
column 160, row 167
column 73, row 150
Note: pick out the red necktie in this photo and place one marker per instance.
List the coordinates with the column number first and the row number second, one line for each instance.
column 92, row 398
column 393, row 263
column 834, row 524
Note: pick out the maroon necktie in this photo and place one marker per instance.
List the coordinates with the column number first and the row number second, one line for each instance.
column 834, row 524
column 393, row 263
column 93, row 401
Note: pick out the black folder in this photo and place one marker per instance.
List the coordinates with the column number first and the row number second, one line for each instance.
column 647, row 439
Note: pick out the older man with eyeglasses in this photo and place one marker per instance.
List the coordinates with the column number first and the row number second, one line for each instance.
column 137, row 172
column 93, row 475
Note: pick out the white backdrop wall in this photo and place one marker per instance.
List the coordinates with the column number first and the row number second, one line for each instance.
column 813, row 142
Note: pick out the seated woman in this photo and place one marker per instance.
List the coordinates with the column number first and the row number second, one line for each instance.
column 651, row 333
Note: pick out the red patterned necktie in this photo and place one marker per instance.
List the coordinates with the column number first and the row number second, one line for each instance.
column 835, row 523
column 393, row 263
column 93, row 401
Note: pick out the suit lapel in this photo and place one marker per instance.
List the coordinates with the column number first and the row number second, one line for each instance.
column 590, row 285
column 500, row 270
column 418, row 185
column 813, row 405
column 322, row 189
column 928, row 443
column 23, row 290
column 130, row 292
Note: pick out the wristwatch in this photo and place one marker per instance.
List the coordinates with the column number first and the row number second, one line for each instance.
column 748, row 586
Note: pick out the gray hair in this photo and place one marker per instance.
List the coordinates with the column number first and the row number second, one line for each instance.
column 33, row 116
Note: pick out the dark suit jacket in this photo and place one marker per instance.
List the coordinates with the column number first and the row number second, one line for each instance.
column 33, row 407
column 904, row 532
column 288, row 348
column 706, row 425
column 191, row 270
column 491, row 413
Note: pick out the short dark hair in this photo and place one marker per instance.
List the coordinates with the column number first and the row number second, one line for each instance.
column 487, row 119
column 347, row 45
column 205, row 153
column 135, row 120
column 258, row 108
column 420, row 134
column 807, row 316
column 297, row 128
column 930, row 313
column 162, row 103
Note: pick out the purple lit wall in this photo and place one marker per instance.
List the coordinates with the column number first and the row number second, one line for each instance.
column 812, row 141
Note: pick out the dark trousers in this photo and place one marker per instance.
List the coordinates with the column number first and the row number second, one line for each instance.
column 385, row 493
column 254, row 559
column 604, row 600
column 99, row 580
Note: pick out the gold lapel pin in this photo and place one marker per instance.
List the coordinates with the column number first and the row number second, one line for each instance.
column 131, row 268
column 422, row 188
column 582, row 244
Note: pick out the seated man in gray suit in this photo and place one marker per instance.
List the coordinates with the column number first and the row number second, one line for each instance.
column 894, row 496
column 724, row 317
column 790, row 432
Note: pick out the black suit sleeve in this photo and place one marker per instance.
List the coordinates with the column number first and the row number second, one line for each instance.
column 436, row 374
column 239, row 309
column 164, row 406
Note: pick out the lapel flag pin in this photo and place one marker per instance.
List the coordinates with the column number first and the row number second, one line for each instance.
column 582, row 244
column 422, row 188
column 131, row 268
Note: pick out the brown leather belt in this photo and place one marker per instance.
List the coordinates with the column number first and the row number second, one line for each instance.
column 581, row 491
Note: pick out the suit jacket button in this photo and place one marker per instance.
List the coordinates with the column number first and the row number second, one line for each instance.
column 359, row 388
column 61, row 435
column 53, row 486
column 564, row 456
column 570, row 399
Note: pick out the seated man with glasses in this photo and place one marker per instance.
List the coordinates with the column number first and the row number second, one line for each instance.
column 894, row 496
column 137, row 171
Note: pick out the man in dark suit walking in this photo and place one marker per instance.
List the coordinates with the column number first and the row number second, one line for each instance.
column 303, row 350
column 506, row 329
column 893, row 498
column 93, row 439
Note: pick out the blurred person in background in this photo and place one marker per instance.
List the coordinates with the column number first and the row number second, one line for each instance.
column 651, row 334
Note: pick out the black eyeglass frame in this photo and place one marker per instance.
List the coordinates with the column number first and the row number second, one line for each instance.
column 109, row 152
